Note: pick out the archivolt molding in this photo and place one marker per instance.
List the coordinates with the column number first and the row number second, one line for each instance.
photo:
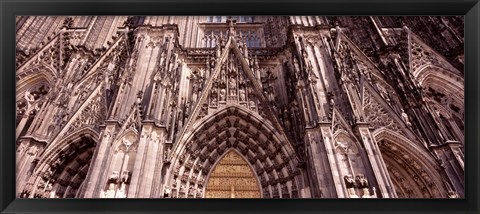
column 446, row 83
column 407, row 184
column 273, row 160
column 434, row 75
column 340, row 124
column 52, row 150
column 415, row 161
column 55, row 155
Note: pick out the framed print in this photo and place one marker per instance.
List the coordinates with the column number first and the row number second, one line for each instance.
column 319, row 107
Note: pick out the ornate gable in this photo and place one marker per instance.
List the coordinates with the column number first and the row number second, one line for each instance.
column 380, row 115
column 232, row 86
column 421, row 56
column 339, row 123
column 233, row 83
column 133, row 120
column 92, row 115
column 48, row 55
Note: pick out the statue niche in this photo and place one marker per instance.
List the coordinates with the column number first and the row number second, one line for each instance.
column 352, row 167
column 121, row 168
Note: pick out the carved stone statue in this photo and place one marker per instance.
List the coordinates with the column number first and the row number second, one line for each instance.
column 214, row 101
column 166, row 154
column 453, row 194
column 125, row 176
column 232, row 84
column 241, row 92
column 113, row 177
column 29, row 97
column 362, row 181
column 194, row 91
column 110, row 193
column 121, row 192
column 52, row 194
column 191, row 190
column 222, row 94
column 350, row 184
column 199, row 193
column 167, row 192
column 32, row 150
column 182, row 188
column 405, row 118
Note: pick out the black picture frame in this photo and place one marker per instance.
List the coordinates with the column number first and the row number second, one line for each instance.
column 10, row 8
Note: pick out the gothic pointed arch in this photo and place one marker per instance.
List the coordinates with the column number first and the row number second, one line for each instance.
column 232, row 177
column 32, row 92
column 36, row 75
column 352, row 166
column 443, row 91
column 274, row 160
column 368, row 88
column 413, row 170
column 62, row 167
column 340, row 125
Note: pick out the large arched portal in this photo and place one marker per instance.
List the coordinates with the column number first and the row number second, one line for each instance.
column 444, row 94
column 413, row 172
column 64, row 168
column 232, row 177
column 271, row 157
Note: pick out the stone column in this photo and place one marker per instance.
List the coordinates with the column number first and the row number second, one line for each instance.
column 26, row 155
column 385, row 184
column 95, row 182
column 452, row 160
column 21, row 125
column 330, row 151
column 148, row 163
column 320, row 162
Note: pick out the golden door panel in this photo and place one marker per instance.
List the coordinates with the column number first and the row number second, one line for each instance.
column 232, row 177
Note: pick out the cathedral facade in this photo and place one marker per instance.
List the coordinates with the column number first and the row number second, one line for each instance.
column 239, row 107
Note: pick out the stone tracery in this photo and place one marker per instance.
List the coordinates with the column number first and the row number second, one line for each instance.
column 298, row 98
